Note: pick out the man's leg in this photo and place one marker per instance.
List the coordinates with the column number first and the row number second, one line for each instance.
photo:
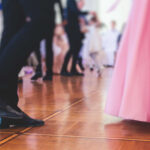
column 38, row 55
column 80, row 63
column 68, row 55
column 75, row 58
column 13, row 20
column 49, row 52
column 66, row 61
column 76, row 49
column 19, row 48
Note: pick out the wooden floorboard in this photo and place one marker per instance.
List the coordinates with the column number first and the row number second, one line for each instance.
column 73, row 111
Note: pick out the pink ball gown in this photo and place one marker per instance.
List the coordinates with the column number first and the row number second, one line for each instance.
column 129, row 95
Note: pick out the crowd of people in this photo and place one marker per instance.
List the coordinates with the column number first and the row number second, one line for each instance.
column 68, row 41
column 78, row 37
column 28, row 28
column 78, row 40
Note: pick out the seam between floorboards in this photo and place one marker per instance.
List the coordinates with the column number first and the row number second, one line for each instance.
column 15, row 135
column 89, row 138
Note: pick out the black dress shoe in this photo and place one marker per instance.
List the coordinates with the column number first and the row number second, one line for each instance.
column 24, row 122
column 65, row 73
column 47, row 78
column 77, row 73
column 36, row 76
column 27, row 121
column 7, row 111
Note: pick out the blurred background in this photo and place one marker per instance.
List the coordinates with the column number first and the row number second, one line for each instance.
column 110, row 17
column 102, row 7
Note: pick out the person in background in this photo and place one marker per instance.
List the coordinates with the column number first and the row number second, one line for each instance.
column 48, row 46
column 60, row 47
column 83, row 24
column 75, row 36
column 111, row 45
column 92, row 51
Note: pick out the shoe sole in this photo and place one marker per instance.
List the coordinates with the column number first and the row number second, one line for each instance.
column 30, row 125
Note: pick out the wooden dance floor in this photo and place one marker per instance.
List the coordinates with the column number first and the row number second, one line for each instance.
column 73, row 110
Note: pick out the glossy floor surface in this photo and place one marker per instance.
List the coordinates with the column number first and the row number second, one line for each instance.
column 73, row 110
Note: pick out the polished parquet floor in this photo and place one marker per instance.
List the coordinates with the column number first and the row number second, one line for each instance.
column 73, row 110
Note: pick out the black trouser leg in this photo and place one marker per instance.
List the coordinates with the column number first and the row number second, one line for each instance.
column 74, row 62
column 76, row 49
column 80, row 60
column 38, row 55
column 14, row 19
column 71, row 49
column 19, row 48
column 66, row 60
column 49, row 50
column 80, row 63
column 74, row 37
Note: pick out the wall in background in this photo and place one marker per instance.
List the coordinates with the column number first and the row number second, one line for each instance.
column 120, row 13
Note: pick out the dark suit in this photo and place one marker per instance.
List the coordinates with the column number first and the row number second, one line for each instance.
column 74, row 34
column 18, row 40
column 49, row 41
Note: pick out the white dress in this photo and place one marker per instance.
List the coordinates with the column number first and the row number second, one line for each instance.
column 92, row 47
column 110, row 45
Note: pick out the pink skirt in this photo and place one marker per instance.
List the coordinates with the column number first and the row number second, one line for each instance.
column 129, row 94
